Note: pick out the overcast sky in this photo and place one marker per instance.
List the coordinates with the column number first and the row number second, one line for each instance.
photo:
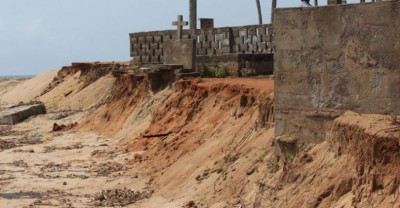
column 39, row 35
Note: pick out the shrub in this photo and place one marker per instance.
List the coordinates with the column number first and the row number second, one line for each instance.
column 214, row 70
column 247, row 72
column 273, row 167
column 230, row 158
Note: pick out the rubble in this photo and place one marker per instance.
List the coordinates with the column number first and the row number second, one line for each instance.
column 62, row 127
column 18, row 114
column 119, row 197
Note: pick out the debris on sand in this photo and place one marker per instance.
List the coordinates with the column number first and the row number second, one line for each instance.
column 20, row 163
column 106, row 169
column 63, row 127
column 4, row 145
column 52, row 167
column 190, row 204
column 48, row 149
column 119, row 197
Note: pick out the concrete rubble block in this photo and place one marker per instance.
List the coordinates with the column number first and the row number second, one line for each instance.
column 18, row 114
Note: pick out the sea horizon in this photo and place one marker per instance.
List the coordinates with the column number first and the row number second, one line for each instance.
column 16, row 76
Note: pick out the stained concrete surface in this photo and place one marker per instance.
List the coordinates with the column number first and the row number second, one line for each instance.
column 18, row 114
column 332, row 59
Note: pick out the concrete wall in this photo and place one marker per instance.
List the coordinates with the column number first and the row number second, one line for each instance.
column 149, row 47
column 332, row 59
column 234, row 63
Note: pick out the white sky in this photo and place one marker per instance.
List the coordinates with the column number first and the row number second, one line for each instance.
column 39, row 35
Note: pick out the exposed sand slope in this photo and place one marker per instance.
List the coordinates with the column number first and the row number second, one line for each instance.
column 69, row 87
column 7, row 85
column 29, row 89
column 92, row 95
column 211, row 143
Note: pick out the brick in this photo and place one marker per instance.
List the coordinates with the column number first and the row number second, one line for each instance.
column 149, row 39
column 158, row 39
column 248, row 40
column 211, row 51
column 141, row 40
column 252, row 48
column 243, row 47
column 225, row 42
column 203, row 38
column 134, row 40
column 262, row 46
column 226, row 49
column 251, row 31
column 262, row 30
column 158, row 52
column 135, row 46
column 214, row 44
column 155, row 59
column 134, row 53
column 239, row 40
column 243, row 33
column 219, row 37
column 186, row 36
column 256, row 39
column 201, row 51
column 142, row 52
column 154, row 45
column 144, row 46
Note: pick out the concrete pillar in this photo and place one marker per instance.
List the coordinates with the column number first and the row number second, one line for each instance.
column 272, row 10
column 193, row 14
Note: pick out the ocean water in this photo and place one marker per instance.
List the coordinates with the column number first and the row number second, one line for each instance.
column 16, row 77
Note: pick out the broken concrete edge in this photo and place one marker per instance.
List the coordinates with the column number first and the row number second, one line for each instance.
column 20, row 113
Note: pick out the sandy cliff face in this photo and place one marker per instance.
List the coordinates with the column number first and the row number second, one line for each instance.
column 204, row 143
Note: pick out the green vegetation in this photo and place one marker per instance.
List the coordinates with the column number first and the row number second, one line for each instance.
column 136, row 70
column 273, row 167
column 230, row 158
column 214, row 70
column 289, row 157
column 247, row 72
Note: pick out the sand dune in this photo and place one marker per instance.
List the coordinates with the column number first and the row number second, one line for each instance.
column 29, row 89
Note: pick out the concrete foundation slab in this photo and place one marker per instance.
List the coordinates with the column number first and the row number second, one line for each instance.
column 18, row 114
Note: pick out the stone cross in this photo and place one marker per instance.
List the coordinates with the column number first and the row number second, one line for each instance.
column 179, row 24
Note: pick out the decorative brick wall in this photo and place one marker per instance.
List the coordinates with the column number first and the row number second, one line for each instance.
column 147, row 47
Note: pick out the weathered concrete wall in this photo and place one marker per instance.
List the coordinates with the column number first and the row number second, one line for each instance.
column 332, row 59
column 180, row 52
column 234, row 63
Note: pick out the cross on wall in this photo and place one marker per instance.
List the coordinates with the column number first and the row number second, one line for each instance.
column 179, row 24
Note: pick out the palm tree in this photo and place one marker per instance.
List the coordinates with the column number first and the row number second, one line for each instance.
column 259, row 12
